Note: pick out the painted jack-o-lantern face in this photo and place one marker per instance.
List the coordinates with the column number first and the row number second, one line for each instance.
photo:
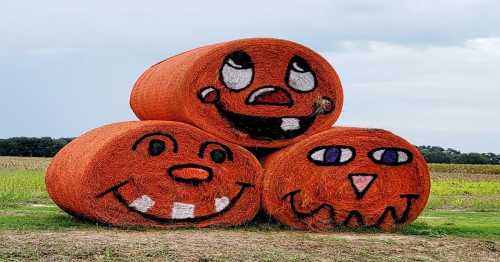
column 346, row 176
column 254, row 92
column 158, row 173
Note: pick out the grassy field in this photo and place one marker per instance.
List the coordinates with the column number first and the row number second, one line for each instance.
column 463, row 211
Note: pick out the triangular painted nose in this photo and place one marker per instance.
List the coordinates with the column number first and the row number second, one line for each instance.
column 361, row 182
column 270, row 95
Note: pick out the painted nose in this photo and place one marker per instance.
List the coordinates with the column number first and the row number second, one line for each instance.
column 270, row 95
column 361, row 182
column 190, row 174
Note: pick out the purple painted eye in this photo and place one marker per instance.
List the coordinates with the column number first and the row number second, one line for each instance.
column 331, row 155
column 391, row 156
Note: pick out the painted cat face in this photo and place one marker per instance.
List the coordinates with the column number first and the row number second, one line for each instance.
column 347, row 176
column 274, row 93
column 171, row 175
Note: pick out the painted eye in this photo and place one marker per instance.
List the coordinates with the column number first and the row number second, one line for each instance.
column 390, row 156
column 218, row 155
column 156, row 147
column 300, row 76
column 237, row 71
column 331, row 155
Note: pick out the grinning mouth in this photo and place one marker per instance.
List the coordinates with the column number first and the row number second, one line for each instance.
column 269, row 128
column 142, row 204
column 354, row 214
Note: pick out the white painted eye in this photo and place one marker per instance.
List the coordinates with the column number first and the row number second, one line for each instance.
column 237, row 71
column 300, row 76
column 391, row 156
column 377, row 155
column 331, row 155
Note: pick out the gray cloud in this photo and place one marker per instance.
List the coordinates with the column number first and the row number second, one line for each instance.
column 423, row 69
column 181, row 24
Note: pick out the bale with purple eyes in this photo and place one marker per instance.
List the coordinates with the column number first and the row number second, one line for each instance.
column 350, row 177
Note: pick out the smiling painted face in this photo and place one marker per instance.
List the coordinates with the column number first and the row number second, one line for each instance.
column 347, row 176
column 161, row 174
column 254, row 92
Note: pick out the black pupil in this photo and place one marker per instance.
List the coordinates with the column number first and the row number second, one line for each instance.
column 301, row 63
column 241, row 58
column 218, row 155
column 156, row 147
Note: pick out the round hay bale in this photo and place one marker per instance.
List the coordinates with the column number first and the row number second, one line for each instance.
column 155, row 173
column 351, row 177
column 257, row 92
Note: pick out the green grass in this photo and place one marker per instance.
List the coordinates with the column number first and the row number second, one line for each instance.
column 465, row 168
column 484, row 225
column 20, row 187
column 38, row 217
column 464, row 187
column 25, row 204
column 460, row 205
column 463, row 194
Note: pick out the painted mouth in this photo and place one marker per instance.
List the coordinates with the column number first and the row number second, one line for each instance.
column 181, row 212
column 353, row 214
column 268, row 128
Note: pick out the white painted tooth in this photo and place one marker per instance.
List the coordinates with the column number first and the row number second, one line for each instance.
column 142, row 204
column 182, row 210
column 290, row 123
column 221, row 203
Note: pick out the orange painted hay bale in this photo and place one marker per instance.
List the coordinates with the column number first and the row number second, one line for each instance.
column 346, row 177
column 155, row 173
column 253, row 92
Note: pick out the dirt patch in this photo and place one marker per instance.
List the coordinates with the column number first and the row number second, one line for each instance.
column 214, row 244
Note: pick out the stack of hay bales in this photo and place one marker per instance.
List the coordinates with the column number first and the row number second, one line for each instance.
column 188, row 162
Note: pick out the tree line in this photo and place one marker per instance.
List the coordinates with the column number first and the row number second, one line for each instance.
column 436, row 154
column 48, row 147
column 32, row 146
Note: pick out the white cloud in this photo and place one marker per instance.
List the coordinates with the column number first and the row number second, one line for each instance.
column 423, row 92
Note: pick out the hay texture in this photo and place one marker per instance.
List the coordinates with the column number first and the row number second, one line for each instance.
column 155, row 173
column 253, row 92
column 346, row 177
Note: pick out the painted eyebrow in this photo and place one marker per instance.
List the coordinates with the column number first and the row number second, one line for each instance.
column 204, row 146
column 176, row 146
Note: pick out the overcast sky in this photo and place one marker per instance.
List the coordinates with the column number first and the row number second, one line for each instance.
column 426, row 70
